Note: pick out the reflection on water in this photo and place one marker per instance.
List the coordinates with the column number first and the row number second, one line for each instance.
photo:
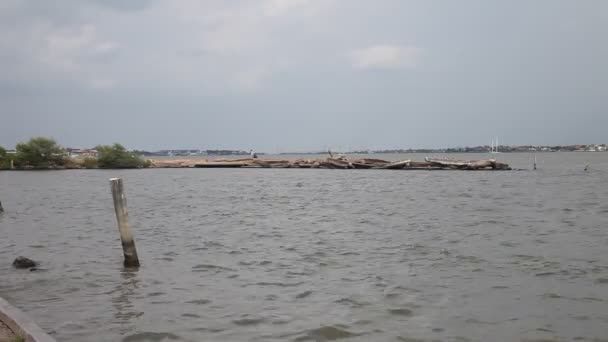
column 315, row 255
column 123, row 298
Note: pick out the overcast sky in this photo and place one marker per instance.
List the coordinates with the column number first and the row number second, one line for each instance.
column 297, row 75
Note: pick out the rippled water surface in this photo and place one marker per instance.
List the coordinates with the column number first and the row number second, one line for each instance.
column 315, row 255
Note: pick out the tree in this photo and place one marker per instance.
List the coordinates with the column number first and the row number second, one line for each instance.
column 117, row 157
column 3, row 160
column 41, row 153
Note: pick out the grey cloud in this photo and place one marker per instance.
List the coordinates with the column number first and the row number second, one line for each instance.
column 303, row 74
column 386, row 56
column 130, row 5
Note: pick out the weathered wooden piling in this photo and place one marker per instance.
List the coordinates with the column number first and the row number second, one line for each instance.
column 122, row 216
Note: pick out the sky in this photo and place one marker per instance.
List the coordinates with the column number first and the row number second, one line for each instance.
column 303, row 75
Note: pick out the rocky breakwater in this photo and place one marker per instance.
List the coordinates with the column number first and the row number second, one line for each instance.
column 363, row 163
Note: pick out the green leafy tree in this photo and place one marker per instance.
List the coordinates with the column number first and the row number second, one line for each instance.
column 40, row 153
column 117, row 157
column 4, row 163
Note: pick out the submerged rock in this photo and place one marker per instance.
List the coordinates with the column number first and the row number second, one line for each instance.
column 23, row 262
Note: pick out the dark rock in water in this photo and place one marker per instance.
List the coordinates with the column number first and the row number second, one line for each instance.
column 23, row 262
column 304, row 294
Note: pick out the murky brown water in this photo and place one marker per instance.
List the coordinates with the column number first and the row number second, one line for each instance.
column 315, row 255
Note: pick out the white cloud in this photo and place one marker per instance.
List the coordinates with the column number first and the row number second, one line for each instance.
column 249, row 79
column 101, row 83
column 201, row 45
column 278, row 7
column 41, row 52
column 72, row 50
column 244, row 42
column 386, row 57
column 80, row 54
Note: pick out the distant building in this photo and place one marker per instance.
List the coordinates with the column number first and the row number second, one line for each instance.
column 78, row 152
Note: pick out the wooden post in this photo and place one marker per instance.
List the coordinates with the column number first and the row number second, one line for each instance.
column 1, row 209
column 122, row 216
column 535, row 161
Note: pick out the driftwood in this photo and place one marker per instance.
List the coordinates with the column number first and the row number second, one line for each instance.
column 481, row 164
column 421, row 165
column 339, row 163
column 359, row 165
column 214, row 164
column 398, row 165
column 364, row 163
column 468, row 164
column 373, row 161
column 501, row 166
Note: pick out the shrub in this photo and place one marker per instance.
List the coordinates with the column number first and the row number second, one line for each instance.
column 72, row 164
column 4, row 161
column 117, row 157
column 40, row 153
column 89, row 163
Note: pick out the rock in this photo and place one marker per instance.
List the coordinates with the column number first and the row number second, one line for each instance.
column 23, row 262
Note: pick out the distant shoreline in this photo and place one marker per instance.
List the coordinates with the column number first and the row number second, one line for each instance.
column 477, row 149
column 423, row 152
column 166, row 162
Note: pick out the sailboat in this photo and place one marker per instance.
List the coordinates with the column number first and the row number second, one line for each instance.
column 494, row 146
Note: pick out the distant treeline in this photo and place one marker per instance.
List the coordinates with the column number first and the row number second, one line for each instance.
column 46, row 153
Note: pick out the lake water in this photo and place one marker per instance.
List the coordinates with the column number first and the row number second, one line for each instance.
column 315, row 255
